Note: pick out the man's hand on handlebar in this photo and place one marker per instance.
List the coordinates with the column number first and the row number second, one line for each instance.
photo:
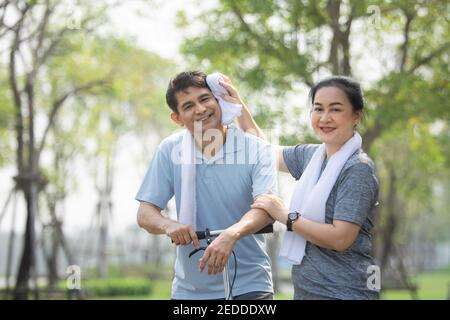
column 182, row 234
column 218, row 252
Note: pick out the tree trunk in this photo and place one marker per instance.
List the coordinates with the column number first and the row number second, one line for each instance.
column 64, row 245
column 346, row 52
column 102, row 266
column 27, row 265
column 333, row 8
column 53, row 266
column 390, row 226
column 339, row 56
column 12, row 237
column 371, row 135
column 104, row 212
column 51, row 256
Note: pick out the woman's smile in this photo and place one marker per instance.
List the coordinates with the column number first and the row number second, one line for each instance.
column 327, row 130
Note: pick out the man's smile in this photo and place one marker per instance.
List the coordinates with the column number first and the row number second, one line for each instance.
column 204, row 118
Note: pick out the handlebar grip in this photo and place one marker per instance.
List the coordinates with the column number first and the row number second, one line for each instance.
column 200, row 234
column 266, row 229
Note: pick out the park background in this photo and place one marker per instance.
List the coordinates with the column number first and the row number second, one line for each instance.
column 82, row 109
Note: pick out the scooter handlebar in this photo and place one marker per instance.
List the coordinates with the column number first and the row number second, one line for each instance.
column 203, row 234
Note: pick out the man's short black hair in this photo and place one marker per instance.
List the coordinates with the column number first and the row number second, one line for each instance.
column 181, row 82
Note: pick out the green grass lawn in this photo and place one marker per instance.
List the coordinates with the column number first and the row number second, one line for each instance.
column 161, row 291
column 431, row 286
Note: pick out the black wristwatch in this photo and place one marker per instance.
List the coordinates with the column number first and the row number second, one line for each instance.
column 292, row 216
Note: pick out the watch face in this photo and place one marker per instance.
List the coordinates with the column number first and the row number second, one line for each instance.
column 292, row 215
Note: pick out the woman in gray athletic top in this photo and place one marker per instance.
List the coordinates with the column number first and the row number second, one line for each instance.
column 330, row 243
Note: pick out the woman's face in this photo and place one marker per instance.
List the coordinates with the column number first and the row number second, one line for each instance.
column 332, row 116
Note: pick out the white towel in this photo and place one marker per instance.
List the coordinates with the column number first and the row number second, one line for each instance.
column 311, row 193
column 188, row 203
column 229, row 110
column 188, row 206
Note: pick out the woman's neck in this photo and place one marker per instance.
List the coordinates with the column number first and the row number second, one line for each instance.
column 332, row 149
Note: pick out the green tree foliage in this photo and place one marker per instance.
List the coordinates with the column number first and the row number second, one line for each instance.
column 6, row 120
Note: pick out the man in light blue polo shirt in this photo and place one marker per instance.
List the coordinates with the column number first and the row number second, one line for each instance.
column 228, row 179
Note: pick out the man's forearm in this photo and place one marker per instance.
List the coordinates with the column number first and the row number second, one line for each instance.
column 253, row 221
column 149, row 217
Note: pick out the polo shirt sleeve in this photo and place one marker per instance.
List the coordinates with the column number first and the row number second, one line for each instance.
column 157, row 187
column 264, row 173
column 297, row 158
column 356, row 194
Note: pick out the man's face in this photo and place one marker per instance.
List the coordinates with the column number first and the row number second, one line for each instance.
column 197, row 104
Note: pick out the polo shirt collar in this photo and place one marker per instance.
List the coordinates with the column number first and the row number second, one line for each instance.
column 232, row 145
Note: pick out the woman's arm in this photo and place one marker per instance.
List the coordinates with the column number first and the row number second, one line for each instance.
column 338, row 236
column 246, row 121
column 248, row 124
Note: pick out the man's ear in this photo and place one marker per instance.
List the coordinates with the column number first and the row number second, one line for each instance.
column 176, row 117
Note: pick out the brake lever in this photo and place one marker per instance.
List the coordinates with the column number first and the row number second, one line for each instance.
column 196, row 250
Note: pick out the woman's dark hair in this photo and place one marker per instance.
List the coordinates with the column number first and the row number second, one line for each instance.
column 181, row 82
column 351, row 88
